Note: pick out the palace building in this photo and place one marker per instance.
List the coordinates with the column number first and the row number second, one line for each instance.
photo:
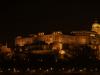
column 58, row 39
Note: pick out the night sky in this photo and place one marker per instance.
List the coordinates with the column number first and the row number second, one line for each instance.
column 34, row 16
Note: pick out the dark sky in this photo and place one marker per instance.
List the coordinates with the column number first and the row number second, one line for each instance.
column 34, row 16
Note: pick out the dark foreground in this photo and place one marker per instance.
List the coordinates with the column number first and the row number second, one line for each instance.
column 50, row 73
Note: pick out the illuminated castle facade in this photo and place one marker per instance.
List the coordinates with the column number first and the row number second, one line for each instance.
column 89, row 38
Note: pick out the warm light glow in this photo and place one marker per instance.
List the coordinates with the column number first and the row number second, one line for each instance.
column 96, row 28
column 41, row 34
column 62, row 52
column 93, row 35
column 57, row 46
column 48, row 39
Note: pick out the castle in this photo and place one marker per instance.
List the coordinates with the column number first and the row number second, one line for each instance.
column 89, row 38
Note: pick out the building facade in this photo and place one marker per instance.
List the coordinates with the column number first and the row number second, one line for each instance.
column 58, row 39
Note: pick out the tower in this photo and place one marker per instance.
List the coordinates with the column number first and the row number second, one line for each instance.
column 96, row 27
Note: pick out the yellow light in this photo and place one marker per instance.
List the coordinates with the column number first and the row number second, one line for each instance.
column 96, row 28
column 62, row 52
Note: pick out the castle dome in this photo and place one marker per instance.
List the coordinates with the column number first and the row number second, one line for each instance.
column 96, row 27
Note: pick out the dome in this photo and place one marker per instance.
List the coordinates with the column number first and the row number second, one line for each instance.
column 96, row 27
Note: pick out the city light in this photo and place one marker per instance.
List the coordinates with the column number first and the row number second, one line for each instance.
column 76, row 52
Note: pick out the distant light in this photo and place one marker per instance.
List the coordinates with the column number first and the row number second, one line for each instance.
column 59, row 69
column 96, row 69
column 84, row 68
column 62, row 52
column 33, row 70
column 73, row 69
column 9, row 69
column 1, row 71
column 63, row 68
column 51, row 68
column 92, row 35
column 81, row 70
column 14, row 69
column 47, row 70
column 91, row 70
column 40, row 68
column 69, row 70
column 17, row 71
column 28, row 69
column 41, row 60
